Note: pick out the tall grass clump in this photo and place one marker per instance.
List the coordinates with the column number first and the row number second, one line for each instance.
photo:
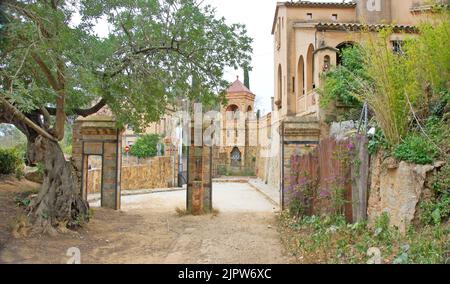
column 404, row 85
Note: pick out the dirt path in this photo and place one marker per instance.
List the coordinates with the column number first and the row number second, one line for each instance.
column 148, row 230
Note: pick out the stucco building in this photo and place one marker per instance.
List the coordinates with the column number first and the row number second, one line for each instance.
column 307, row 39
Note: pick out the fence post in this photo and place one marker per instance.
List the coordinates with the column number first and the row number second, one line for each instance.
column 360, row 179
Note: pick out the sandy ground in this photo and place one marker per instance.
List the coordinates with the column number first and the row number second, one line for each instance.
column 148, row 230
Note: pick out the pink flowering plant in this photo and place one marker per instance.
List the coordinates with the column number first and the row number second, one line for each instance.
column 300, row 191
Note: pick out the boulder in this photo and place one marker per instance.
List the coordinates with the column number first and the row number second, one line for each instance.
column 398, row 189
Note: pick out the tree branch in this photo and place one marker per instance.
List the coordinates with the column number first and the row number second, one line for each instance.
column 25, row 119
column 82, row 112
column 48, row 74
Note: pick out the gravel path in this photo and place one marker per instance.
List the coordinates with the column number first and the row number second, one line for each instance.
column 148, row 230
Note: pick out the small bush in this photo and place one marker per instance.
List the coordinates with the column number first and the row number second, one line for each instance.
column 416, row 149
column 145, row 146
column 377, row 142
column 437, row 210
column 339, row 82
column 10, row 161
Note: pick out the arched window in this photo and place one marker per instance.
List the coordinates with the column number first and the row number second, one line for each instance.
column 235, row 157
column 232, row 112
column 279, row 100
column 301, row 77
column 326, row 63
column 310, row 69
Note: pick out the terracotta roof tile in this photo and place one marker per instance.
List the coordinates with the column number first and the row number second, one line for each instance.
column 238, row 87
column 359, row 26
column 320, row 4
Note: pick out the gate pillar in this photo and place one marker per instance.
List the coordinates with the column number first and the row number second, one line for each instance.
column 199, row 186
column 99, row 136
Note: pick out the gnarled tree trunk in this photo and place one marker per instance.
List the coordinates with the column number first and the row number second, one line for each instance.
column 59, row 203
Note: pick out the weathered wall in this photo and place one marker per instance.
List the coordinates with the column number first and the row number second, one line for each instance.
column 397, row 189
column 157, row 173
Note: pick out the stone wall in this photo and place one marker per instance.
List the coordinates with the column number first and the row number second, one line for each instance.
column 158, row 172
column 398, row 188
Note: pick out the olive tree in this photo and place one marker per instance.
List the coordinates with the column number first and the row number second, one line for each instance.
column 54, row 66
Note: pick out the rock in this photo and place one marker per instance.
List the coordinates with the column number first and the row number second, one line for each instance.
column 390, row 163
column 397, row 188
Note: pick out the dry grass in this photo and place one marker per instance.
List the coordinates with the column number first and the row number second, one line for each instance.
column 20, row 226
column 183, row 212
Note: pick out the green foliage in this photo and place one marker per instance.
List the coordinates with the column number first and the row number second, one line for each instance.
column 145, row 146
column 426, row 54
column 394, row 88
column 246, row 78
column 337, row 198
column 11, row 161
column 416, row 149
column 437, row 210
column 67, row 150
column 329, row 239
column 401, row 84
column 300, row 198
column 377, row 142
column 340, row 82
column 425, row 144
column 149, row 60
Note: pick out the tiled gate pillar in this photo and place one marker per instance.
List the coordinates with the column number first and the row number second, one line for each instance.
column 199, row 187
column 99, row 136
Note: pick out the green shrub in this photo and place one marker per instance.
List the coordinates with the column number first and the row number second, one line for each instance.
column 67, row 150
column 437, row 210
column 10, row 161
column 416, row 149
column 377, row 142
column 145, row 146
column 339, row 83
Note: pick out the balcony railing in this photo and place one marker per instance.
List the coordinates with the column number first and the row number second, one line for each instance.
column 308, row 103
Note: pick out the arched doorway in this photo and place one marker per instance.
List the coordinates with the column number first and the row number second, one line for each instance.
column 341, row 47
column 235, row 158
column 310, row 69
